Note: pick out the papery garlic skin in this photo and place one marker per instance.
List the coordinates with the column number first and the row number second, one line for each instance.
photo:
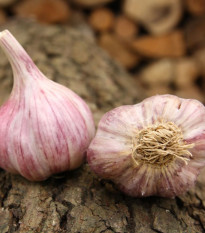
column 116, row 153
column 45, row 128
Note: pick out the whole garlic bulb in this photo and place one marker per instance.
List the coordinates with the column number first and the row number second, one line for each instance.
column 156, row 147
column 45, row 128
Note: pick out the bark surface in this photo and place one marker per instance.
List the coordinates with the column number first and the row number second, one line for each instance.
column 79, row 201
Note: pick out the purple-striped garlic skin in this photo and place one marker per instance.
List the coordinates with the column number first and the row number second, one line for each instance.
column 156, row 147
column 45, row 128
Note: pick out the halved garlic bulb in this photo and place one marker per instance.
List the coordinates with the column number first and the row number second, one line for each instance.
column 45, row 128
column 156, row 147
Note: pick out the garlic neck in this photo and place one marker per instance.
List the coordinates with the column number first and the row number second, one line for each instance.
column 160, row 144
column 22, row 65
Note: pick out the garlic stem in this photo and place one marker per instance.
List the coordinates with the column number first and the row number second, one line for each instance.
column 20, row 61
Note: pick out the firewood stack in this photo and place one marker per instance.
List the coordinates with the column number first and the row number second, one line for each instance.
column 160, row 42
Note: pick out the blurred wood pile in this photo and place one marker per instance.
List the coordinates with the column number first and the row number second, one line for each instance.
column 161, row 42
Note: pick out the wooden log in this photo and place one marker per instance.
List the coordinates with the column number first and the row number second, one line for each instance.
column 118, row 50
column 125, row 28
column 159, row 76
column 186, row 72
column 101, row 19
column 159, row 73
column 191, row 92
column 82, row 202
column 3, row 17
column 169, row 45
column 90, row 3
column 7, row 3
column 199, row 56
column 158, row 16
column 195, row 33
column 195, row 7
column 46, row 11
column 158, row 90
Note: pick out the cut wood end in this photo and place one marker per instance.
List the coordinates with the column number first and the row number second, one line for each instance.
column 101, row 19
column 169, row 45
column 125, row 28
column 118, row 50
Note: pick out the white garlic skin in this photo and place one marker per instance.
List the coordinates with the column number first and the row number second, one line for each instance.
column 45, row 128
column 110, row 152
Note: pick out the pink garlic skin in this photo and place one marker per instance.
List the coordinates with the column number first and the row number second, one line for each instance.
column 109, row 154
column 45, row 128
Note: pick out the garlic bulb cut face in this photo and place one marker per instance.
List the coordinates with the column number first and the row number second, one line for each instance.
column 45, row 128
column 156, row 147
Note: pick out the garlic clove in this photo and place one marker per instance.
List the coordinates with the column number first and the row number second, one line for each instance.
column 156, row 147
column 45, row 127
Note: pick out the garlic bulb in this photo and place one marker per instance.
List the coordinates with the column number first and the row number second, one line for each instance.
column 156, row 147
column 45, row 128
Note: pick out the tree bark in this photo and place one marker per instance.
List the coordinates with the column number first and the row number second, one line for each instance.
column 79, row 201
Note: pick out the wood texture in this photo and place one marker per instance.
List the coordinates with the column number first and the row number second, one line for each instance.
column 80, row 201
column 101, row 19
column 157, row 16
column 168, row 45
column 125, row 28
column 118, row 50
column 196, row 7
column 3, row 17
column 45, row 11
column 90, row 3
